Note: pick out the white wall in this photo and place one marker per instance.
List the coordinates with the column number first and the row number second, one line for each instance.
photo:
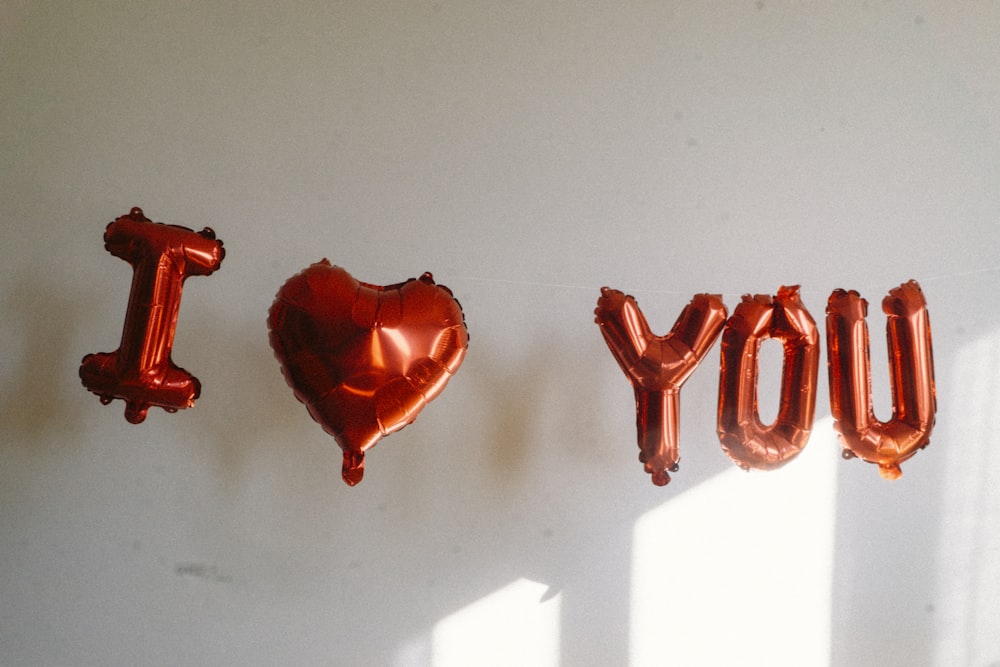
column 527, row 154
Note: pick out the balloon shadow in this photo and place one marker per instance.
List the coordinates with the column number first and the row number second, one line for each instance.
column 41, row 396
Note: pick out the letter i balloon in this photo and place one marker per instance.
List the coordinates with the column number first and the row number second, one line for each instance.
column 140, row 371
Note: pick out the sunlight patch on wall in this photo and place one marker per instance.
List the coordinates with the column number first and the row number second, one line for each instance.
column 968, row 584
column 413, row 653
column 512, row 626
column 739, row 570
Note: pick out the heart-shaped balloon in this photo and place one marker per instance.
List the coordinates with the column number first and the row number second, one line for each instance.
column 365, row 359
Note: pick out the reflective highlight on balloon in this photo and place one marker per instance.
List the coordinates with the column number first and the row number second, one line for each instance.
column 747, row 441
column 911, row 376
column 140, row 371
column 657, row 367
column 365, row 359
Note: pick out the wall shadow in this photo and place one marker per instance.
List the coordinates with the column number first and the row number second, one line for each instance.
column 40, row 393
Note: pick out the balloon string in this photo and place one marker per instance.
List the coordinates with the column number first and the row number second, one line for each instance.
column 644, row 290
column 589, row 288
column 962, row 274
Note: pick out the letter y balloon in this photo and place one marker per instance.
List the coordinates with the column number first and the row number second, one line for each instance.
column 657, row 367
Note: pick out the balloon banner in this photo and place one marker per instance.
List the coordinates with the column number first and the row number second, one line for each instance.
column 911, row 376
column 365, row 359
column 657, row 367
column 140, row 371
column 748, row 442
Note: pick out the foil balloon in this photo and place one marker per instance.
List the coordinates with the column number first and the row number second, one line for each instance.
column 365, row 359
column 747, row 441
column 657, row 367
column 911, row 376
column 140, row 371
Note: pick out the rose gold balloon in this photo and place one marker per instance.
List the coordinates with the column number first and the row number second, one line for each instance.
column 140, row 371
column 911, row 375
column 744, row 438
column 365, row 359
column 657, row 367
